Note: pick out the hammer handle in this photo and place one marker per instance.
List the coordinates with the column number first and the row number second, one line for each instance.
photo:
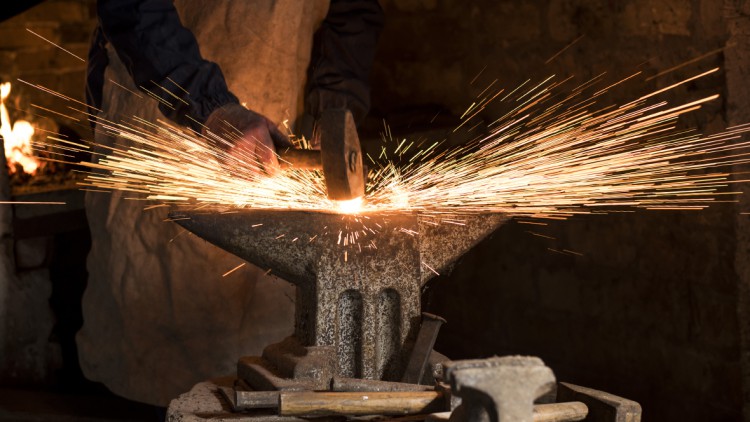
column 372, row 403
column 555, row 412
column 552, row 412
column 302, row 159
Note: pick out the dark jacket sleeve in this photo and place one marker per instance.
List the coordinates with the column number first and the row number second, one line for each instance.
column 163, row 58
column 342, row 56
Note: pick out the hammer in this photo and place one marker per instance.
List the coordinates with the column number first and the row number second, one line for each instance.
column 340, row 156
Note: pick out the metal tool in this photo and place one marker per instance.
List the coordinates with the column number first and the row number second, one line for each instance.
column 603, row 407
column 505, row 389
column 340, row 156
column 498, row 389
column 355, row 324
column 355, row 313
column 431, row 404
column 420, row 353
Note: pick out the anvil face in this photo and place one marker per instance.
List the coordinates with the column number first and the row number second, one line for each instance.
column 291, row 243
column 359, row 278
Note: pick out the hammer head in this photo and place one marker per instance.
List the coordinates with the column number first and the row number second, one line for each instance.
column 341, row 155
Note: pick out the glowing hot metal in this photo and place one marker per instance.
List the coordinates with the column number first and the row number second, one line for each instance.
column 352, row 206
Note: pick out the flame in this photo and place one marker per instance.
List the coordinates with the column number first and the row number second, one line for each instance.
column 16, row 137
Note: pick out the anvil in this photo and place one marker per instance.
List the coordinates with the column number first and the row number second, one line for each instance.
column 357, row 316
column 358, row 297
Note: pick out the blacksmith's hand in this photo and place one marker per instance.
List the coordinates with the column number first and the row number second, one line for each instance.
column 246, row 136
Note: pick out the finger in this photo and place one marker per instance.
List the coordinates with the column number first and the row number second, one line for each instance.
column 272, row 166
column 280, row 140
column 245, row 151
column 315, row 139
column 266, row 153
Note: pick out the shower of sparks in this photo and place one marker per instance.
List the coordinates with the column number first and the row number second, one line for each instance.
column 352, row 206
column 61, row 48
column 234, row 269
column 553, row 154
column 563, row 50
column 430, row 268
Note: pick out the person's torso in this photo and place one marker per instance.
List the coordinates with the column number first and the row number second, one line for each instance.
column 262, row 46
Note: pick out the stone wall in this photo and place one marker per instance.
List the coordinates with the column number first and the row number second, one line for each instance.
column 649, row 311
column 35, row 345
column 68, row 23
column 738, row 111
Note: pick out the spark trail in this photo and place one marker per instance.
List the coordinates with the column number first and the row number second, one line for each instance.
column 554, row 153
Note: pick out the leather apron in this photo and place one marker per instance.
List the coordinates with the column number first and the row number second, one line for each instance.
column 158, row 315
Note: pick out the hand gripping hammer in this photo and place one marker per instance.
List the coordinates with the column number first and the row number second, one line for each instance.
column 340, row 156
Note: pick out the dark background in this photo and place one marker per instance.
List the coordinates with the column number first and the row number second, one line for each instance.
column 654, row 309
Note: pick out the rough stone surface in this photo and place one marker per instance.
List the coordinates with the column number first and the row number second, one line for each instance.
column 7, row 267
column 364, row 298
column 205, row 402
column 28, row 57
column 657, row 19
column 738, row 111
column 202, row 400
column 32, row 253
column 30, row 358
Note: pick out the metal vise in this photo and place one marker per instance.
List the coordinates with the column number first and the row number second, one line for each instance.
column 505, row 389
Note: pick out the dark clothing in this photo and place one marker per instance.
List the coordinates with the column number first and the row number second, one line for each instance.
column 164, row 59
column 162, row 56
column 342, row 55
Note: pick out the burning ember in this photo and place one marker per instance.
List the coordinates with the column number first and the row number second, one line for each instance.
column 16, row 138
